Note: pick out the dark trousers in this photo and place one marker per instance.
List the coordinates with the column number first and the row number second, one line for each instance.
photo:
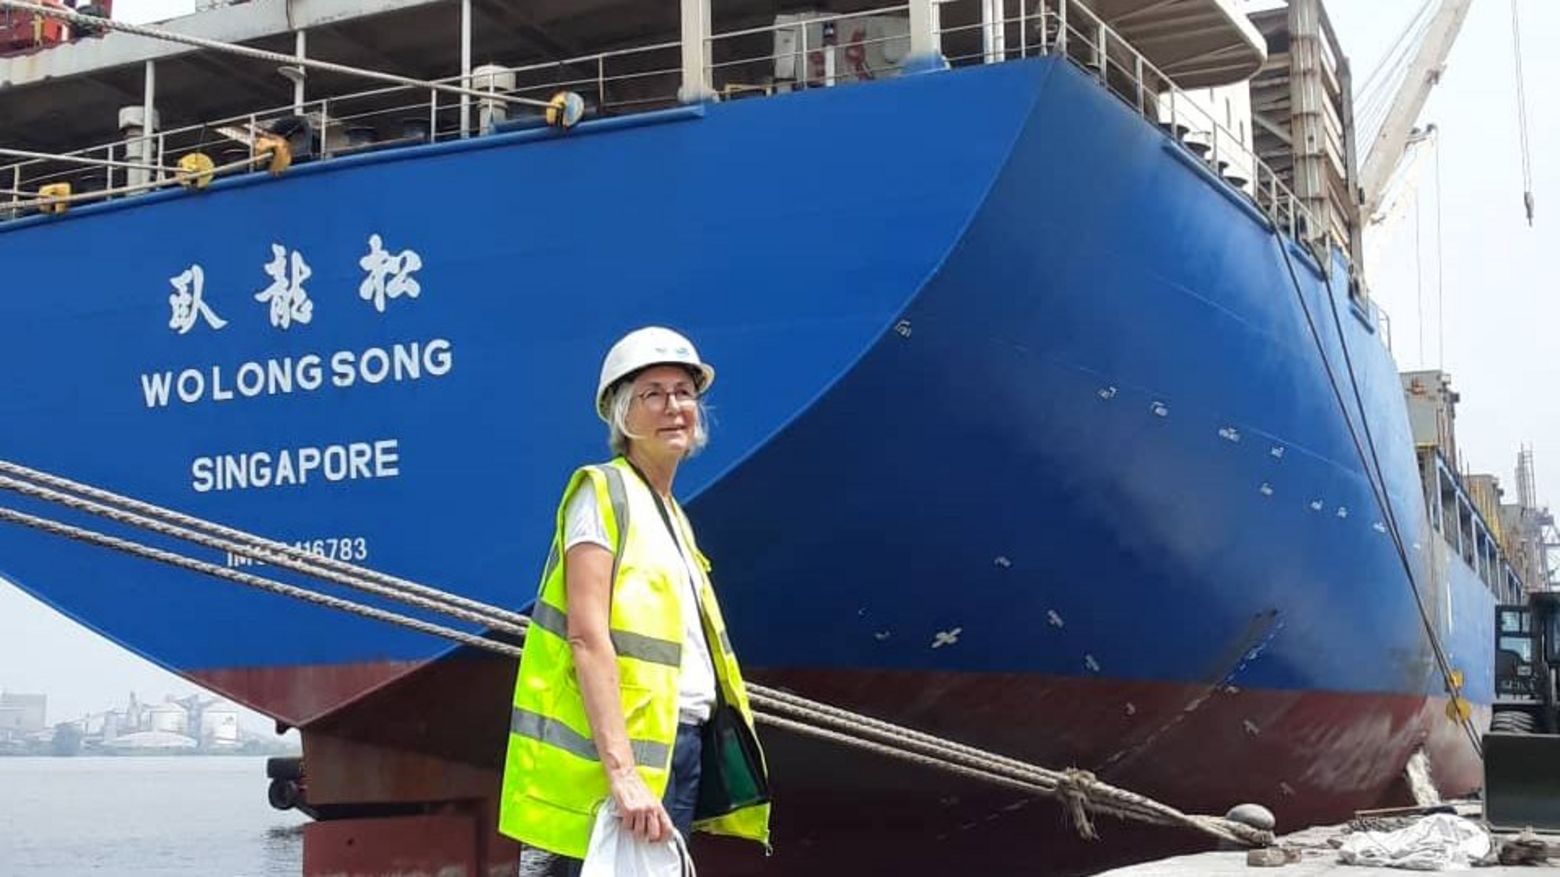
column 680, row 799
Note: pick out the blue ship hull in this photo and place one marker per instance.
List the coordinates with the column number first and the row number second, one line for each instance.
column 1021, row 436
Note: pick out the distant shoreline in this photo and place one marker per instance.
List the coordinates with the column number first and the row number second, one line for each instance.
column 257, row 752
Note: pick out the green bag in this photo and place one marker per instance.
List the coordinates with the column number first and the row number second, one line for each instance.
column 731, row 771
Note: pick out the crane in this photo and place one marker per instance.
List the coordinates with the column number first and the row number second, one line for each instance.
column 1399, row 191
column 1424, row 71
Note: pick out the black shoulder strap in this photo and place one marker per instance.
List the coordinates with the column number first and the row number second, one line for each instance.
column 671, row 530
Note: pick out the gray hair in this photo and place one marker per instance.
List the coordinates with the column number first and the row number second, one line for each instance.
column 618, row 435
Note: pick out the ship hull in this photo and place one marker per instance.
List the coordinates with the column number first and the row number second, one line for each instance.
column 1031, row 432
column 1315, row 757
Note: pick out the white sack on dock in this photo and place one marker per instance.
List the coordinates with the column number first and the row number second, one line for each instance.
column 1434, row 843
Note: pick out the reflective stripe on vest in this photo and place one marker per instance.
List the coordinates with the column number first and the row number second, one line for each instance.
column 555, row 733
column 625, row 642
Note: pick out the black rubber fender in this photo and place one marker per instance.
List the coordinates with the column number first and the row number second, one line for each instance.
column 284, row 794
column 284, row 767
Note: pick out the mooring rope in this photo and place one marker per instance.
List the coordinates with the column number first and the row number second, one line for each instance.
column 133, row 511
column 1079, row 791
column 175, row 176
column 69, row 158
column 189, row 563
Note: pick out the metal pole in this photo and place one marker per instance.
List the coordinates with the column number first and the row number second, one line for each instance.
column 433, row 117
column 1023, row 28
column 148, row 119
column 988, row 37
column 16, row 186
column 802, row 66
column 1307, row 111
column 830, row 48
column 1103, row 59
column 695, row 51
column 999, row 28
column 923, row 30
column 465, row 66
column 300, row 48
column 1137, row 74
column 1061, row 26
column 601, row 83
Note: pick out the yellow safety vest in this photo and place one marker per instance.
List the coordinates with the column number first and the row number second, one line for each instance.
column 553, row 777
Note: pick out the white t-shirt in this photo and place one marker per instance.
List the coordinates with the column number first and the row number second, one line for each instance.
column 696, row 686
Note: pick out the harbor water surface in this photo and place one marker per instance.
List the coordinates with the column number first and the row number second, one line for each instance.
column 143, row 817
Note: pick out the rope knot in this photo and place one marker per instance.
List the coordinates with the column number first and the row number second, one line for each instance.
column 1074, row 787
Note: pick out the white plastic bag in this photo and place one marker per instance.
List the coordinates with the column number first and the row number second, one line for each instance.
column 615, row 852
column 1435, row 843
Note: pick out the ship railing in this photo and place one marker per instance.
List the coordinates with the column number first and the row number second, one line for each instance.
column 1072, row 30
column 613, row 83
column 794, row 53
column 1455, row 515
column 827, row 50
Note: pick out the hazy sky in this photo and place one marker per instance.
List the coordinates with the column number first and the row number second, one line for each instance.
column 1499, row 297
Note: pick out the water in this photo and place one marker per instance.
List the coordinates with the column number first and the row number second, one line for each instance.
column 143, row 817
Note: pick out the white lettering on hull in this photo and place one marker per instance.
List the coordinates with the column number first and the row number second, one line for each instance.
column 296, row 467
column 398, row 363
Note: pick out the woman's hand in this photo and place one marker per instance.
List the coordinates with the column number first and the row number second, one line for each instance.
column 641, row 812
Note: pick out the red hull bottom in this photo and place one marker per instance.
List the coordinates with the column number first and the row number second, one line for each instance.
column 405, row 775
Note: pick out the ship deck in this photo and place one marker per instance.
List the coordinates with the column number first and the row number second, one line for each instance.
column 66, row 97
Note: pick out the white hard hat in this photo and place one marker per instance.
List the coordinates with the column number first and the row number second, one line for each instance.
column 642, row 348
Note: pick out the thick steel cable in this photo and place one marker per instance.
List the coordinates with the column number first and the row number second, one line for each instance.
column 85, row 160
column 177, row 178
column 1378, row 491
column 189, row 522
column 779, row 700
column 1078, row 790
column 1062, row 784
column 1440, row 267
column 1367, row 87
column 252, row 546
column 1076, row 783
column 783, row 700
column 1384, row 500
column 776, row 700
column 261, row 554
column 1522, row 118
column 189, row 563
column 92, row 21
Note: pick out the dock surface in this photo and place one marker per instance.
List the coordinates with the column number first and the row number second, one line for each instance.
column 1233, row 864
column 1319, row 858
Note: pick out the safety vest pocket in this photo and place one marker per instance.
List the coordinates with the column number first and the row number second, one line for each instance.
column 636, row 703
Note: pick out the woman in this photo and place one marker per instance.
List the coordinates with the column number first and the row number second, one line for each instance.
column 627, row 669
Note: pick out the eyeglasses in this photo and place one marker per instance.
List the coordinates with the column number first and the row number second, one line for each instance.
column 656, row 399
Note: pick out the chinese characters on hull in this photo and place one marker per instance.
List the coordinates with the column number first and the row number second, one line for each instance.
column 288, row 299
column 387, row 276
column 189, row 303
